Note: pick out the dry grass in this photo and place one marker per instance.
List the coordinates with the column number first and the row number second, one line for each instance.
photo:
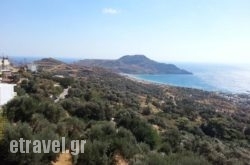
column 64, row 159
column 119, row 160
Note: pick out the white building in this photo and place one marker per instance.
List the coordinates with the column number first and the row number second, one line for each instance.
column 5, row 63
column 6, row 93
column 32, row 67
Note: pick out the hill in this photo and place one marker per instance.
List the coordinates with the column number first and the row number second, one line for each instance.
column 48, row 63
column 134, row 64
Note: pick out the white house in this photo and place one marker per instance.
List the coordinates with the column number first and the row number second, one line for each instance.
column 32, row 67
column 6, row 93
column 5, row 63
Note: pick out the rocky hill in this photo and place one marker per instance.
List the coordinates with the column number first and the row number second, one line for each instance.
column 134, row 64
column 48, row 63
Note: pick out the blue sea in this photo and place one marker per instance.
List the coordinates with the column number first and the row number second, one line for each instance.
column 209, row 77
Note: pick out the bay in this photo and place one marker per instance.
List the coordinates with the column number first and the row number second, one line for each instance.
column 209, row 77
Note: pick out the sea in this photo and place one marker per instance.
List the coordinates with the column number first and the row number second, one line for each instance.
column 233, row 78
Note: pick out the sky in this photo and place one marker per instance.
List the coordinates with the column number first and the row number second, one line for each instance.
column 216, row 31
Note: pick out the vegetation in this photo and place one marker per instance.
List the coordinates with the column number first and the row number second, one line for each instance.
column 135, row 64
column 141, row 123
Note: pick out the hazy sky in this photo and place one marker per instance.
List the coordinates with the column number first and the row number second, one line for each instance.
column 164, row 30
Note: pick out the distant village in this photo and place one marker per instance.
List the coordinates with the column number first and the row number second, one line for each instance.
column 9, row 77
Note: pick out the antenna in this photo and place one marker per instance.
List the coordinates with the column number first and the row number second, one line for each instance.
column 2, row 61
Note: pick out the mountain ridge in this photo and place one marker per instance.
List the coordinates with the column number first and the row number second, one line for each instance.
column 134, row 64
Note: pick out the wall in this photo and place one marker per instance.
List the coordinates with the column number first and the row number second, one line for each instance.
column 6, row 93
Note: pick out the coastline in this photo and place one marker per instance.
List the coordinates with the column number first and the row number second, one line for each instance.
column 148, row 82
column 236, row 98
column 191, row 83
column 136, row 79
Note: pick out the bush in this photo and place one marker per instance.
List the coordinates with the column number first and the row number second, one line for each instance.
column 94, row 153
column 166, row 148
column 146, row 111
column 141, row 129
column 172, row 137
column 52, row 112
column 20, row 109
column 23, row 130
column 186, row 158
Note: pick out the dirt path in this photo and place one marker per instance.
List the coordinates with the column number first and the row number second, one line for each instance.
column 63, row 94
column 119, row 159
column 63, row 159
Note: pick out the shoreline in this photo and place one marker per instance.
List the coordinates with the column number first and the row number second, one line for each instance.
column 220, row 93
